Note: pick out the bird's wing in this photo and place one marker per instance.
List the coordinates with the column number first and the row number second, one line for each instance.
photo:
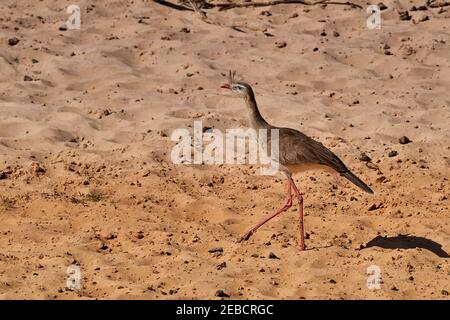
column 298, row 148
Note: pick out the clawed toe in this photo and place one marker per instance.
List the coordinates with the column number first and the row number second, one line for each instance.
column 246, row 236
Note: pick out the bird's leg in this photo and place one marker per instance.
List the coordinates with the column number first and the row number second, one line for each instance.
column 300, row 212
column 286, row 206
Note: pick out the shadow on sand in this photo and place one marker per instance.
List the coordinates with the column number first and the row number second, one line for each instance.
column 407, row 242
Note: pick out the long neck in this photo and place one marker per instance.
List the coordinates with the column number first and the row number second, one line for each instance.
column 256, row 119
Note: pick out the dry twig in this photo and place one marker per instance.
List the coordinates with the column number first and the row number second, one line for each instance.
column 226, row 6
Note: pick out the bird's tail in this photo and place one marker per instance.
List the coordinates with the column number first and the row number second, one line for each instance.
column 357, row 181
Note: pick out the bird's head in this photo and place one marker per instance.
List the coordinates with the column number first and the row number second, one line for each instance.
column 241, row 88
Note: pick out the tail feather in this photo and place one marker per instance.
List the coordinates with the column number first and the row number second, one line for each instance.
column 358, row 182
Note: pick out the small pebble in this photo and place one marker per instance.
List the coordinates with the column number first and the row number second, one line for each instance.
column 140, row 235
column 222, row 294
column 404, row 15
column 37, row 169
column 364, row 157
column 419, row 8
column 13, row 41
column 221, row 266
column 214, row 250
column 404, row 140
column 382, row 6
column 394, row 288
column 424, row 18
column 273, row 256
column 392, row 153
column 280, row 44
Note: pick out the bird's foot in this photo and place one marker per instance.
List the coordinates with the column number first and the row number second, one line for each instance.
column 246, row 235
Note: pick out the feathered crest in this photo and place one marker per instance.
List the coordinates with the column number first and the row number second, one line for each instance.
column 232, row 80
column 231, row 75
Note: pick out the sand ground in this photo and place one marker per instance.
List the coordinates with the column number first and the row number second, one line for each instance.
column 86, row 178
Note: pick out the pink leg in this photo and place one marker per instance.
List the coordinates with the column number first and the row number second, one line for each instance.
column 287, row 205
column 300, row 213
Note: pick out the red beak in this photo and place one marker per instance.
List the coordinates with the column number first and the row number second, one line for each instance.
column 225, row 86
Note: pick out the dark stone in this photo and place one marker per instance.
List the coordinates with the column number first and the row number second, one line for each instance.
column 273, row 256
column 404, row 140
column 222, row 294
column 382, row 6
column 214, row 250
column 392, row 153
column 13, row 41
column 364, row 158
column 280, row 44
column 404, row 15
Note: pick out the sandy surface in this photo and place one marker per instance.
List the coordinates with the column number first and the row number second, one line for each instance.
column 86, row 177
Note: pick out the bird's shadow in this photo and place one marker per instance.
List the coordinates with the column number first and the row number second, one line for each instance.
column 407, row 242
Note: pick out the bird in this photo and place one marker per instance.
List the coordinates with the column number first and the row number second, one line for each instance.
column 297, row 153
